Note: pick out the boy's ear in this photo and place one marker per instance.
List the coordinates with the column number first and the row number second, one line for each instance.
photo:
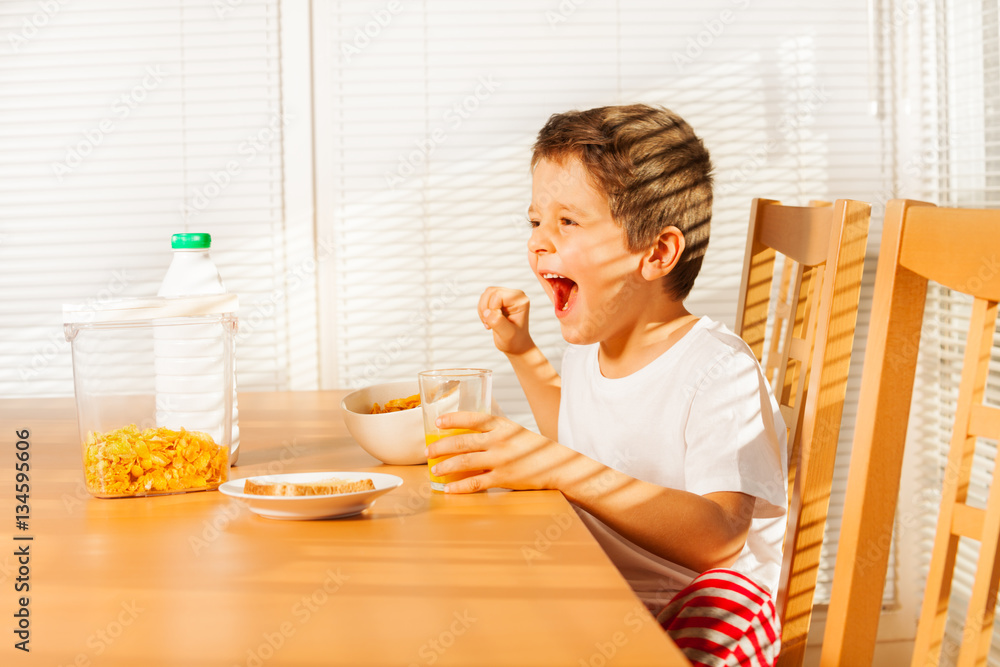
column 664, row 254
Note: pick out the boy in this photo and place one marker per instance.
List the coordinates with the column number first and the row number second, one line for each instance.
column 662, row 431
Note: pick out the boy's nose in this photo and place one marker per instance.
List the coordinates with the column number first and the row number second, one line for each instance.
column 539, row 240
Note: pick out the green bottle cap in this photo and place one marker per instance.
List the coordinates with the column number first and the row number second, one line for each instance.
column 190, row 241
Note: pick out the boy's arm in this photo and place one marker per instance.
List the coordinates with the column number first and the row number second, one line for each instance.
column 542, row 386
column 697, row 532
column 505, row 313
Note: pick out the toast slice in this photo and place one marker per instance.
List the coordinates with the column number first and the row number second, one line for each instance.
column 323, row 487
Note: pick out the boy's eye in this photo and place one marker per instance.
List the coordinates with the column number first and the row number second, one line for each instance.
column 533, row 223
column 567, row 221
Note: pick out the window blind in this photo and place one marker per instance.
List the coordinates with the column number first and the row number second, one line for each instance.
column 953, row 164
column 429, row 110
column 120, row 124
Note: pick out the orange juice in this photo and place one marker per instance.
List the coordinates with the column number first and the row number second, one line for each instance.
column 438, row 482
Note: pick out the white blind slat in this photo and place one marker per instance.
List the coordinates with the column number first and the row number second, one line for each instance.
column 120, row 124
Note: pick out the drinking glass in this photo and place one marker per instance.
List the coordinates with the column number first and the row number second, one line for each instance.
column 452, row 390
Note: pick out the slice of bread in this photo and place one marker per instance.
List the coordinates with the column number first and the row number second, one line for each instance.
column 324, row 487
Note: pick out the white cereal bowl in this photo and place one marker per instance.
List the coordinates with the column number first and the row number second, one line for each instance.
column 396, row 438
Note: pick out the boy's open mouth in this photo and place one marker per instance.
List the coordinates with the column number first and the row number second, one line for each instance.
column 563, row 290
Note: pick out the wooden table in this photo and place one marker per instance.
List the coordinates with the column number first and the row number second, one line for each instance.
column 498, row 578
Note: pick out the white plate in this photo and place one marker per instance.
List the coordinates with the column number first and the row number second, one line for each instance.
column 312, row 507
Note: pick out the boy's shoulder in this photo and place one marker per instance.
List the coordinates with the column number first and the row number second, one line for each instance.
column 719, row 358
column 716, row 336
column 710, row 342
column 709, row 348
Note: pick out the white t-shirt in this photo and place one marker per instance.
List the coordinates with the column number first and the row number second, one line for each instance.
column 699, row 418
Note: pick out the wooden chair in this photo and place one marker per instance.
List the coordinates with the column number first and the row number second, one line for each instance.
column 955, row 248
column 809, row 329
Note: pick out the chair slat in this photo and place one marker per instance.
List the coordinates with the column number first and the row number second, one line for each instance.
column 785, row 380
column 755, row 290
column 985, row 421
column 799, row 232
column 978, row 631
column 967, row 521
column 934, row 250
column 787, row 413
column 798, row 350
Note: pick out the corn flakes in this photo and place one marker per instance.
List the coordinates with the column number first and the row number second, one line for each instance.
column 130, row 462
column 397, row 404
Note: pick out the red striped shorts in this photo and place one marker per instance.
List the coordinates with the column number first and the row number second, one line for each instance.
column 723, row 619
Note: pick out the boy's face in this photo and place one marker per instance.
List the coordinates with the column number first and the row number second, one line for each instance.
column 578, row 253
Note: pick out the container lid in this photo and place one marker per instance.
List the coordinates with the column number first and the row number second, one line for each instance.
column 150, row 308
column 197, row 241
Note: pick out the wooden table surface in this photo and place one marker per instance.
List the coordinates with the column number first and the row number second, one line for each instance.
column 497, row 578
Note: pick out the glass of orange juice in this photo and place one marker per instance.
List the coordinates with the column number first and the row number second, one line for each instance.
column 452, row 390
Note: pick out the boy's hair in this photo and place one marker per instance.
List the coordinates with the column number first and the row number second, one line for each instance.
column 653, row 168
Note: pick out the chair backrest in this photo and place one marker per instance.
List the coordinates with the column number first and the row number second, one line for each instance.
column 806, row 316
column 950, row 246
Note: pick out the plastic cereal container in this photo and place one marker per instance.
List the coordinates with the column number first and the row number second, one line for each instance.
column 147, row 428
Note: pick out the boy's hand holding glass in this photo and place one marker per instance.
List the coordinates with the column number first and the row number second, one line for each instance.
column 495, row 452
column 451, row 390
